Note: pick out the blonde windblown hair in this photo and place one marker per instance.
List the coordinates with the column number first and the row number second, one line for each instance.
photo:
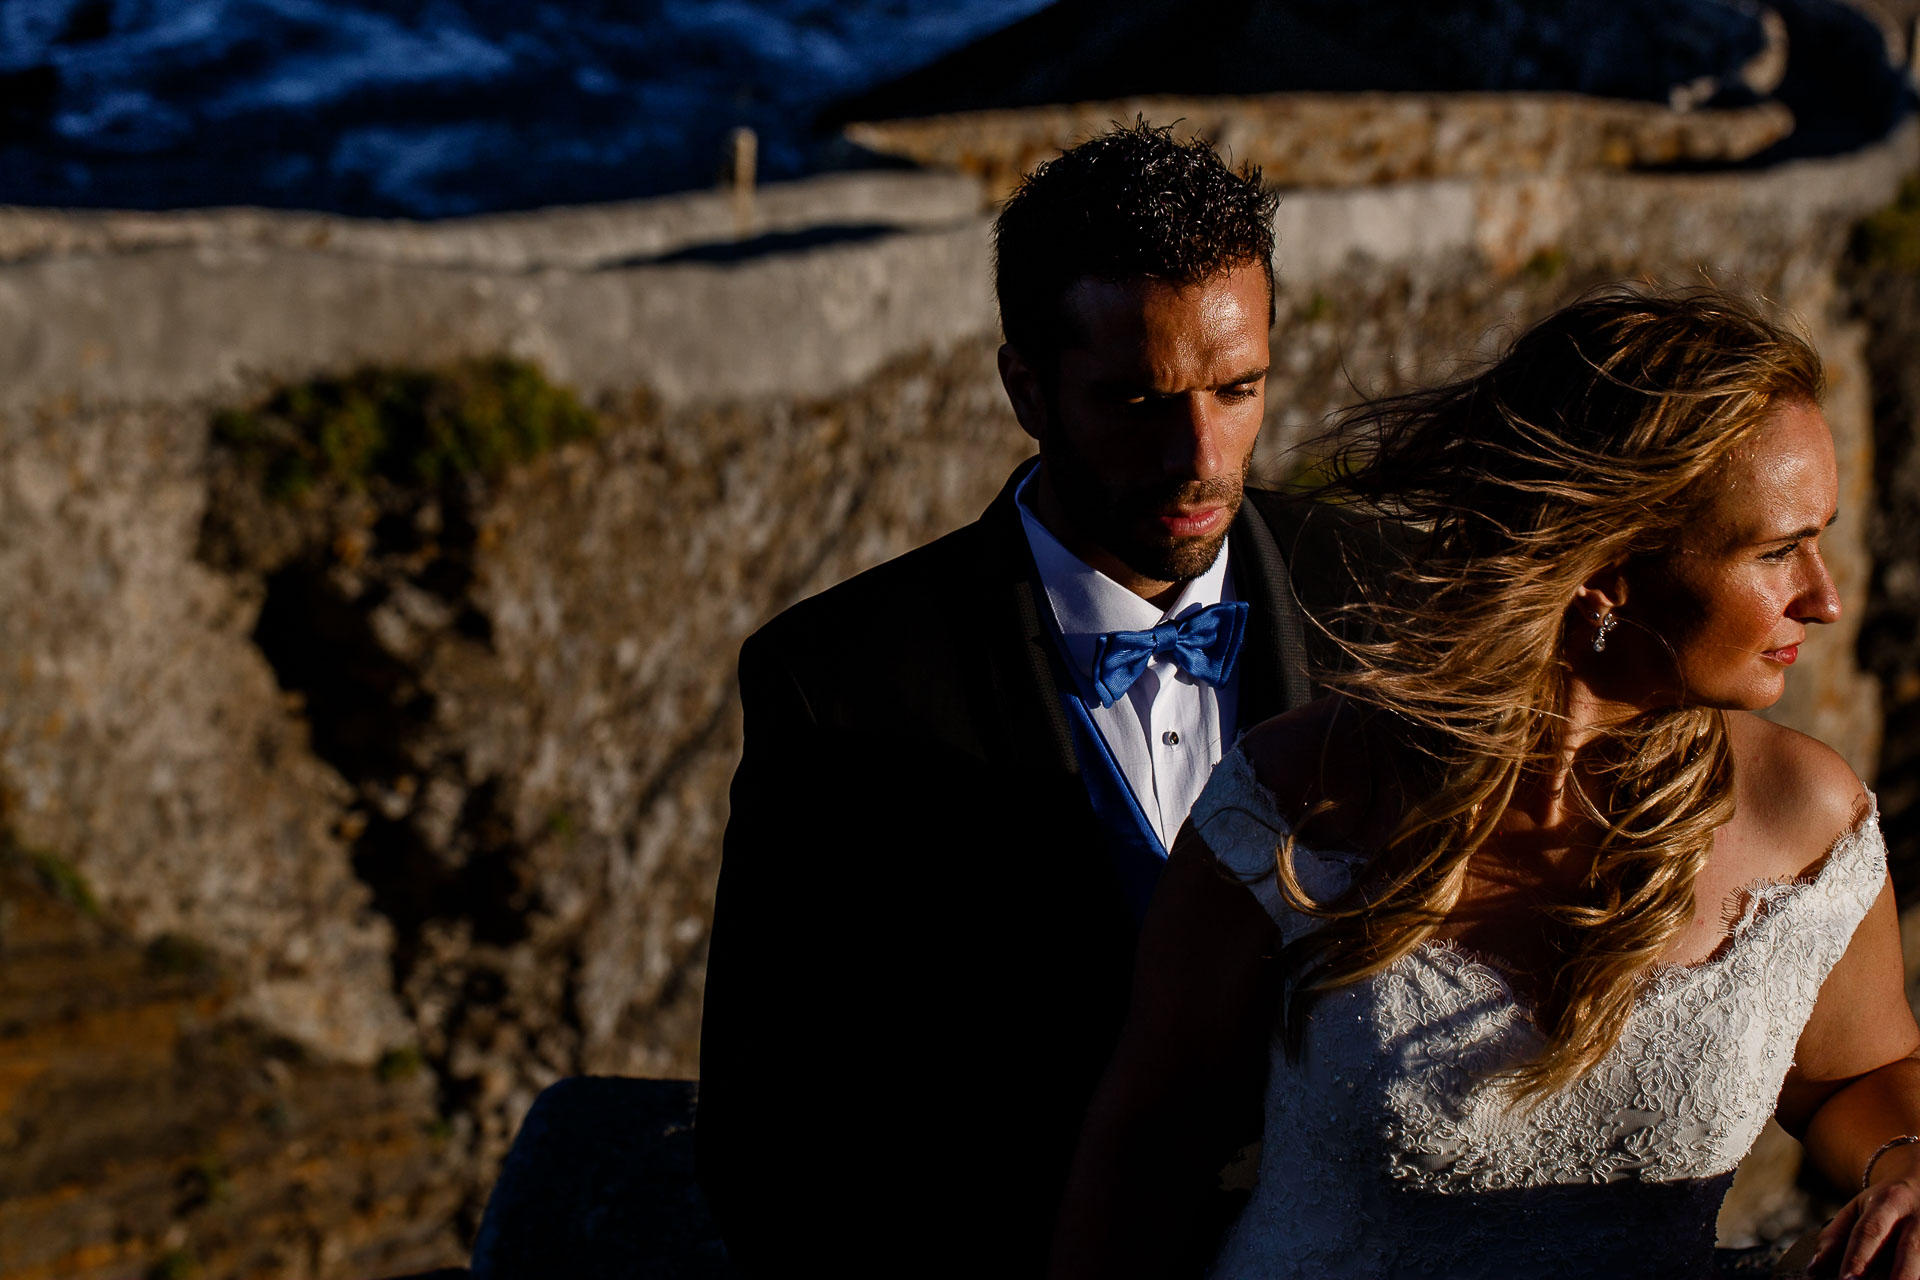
column 1587, row 445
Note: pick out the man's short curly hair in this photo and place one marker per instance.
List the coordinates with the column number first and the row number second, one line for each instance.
column 1129, row 204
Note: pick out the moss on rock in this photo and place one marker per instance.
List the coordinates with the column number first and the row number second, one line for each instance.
column 413, row 427
column 177, row 955
column 55, row 874
column 1890, row 239
column 400, row 1064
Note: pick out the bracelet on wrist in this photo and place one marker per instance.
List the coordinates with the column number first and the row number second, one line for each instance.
column 1903, row 1140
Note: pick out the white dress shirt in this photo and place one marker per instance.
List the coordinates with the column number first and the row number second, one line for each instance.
column 1167, row 732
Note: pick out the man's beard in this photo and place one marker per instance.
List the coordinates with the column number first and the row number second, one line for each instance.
column 1111, row 520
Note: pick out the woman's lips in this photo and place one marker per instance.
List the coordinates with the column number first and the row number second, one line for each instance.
column 1785, row 657
column 1190, row 524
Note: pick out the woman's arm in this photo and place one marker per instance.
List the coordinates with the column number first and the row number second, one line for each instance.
column 1855, row 1084
column 1201, row 993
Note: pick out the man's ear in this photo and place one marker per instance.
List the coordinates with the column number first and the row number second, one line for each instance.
column 1024, row 390
column 1604, row 592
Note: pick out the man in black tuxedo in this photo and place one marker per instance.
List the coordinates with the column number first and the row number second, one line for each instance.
column 963, row 767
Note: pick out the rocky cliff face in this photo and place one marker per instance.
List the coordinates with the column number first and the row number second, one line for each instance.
column 527, row 685
column 430, row 766
column 1882, row 277
column 146, row 739
column 148, row 1126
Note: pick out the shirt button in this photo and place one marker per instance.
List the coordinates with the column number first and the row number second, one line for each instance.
column 1171, row 738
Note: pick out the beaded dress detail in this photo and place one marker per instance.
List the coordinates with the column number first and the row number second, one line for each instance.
column 1386, row 1154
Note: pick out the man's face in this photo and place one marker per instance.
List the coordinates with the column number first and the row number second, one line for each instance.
column 1147, row 430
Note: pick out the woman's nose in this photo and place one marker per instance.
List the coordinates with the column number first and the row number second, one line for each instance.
column 1819, row 599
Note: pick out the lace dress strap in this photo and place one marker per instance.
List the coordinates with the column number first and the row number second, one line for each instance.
column 1842, row 887
column 1243, row 827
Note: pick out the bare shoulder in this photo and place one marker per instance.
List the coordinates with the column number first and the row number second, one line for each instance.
column 1315, row 758
column 1793, row 791
column 1289, row 750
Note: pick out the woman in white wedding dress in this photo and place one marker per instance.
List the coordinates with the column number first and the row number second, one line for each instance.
column 1536, row 920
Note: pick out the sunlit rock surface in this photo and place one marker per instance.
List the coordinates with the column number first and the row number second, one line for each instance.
column 149, row 1126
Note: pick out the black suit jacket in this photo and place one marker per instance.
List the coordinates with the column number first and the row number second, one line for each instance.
column 921, row 953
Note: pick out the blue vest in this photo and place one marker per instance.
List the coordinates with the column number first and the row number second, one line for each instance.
column 1133, row 845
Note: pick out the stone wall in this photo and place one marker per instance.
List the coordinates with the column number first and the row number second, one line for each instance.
column 1344, row 140
column 515, row 886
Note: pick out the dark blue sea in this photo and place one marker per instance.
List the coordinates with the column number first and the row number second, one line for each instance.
column 430, row 108
column 434, row 108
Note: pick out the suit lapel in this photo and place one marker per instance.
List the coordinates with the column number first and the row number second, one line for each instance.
column 1273, row 669
column 1022, row 664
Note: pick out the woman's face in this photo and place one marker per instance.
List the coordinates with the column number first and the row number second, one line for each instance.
column 1734, row 602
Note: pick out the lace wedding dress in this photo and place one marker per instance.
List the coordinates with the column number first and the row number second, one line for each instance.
column 1384, row 1154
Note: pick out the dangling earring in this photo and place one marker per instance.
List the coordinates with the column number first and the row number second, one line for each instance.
column 1603, row 623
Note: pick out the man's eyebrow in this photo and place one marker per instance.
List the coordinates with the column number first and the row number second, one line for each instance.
column 1123, row 385
column 1134, row 386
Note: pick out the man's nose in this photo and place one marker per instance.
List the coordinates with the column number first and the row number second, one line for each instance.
column 1193, row 437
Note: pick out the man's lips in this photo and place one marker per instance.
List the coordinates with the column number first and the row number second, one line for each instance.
column 1786, row 656
column 1190, row 522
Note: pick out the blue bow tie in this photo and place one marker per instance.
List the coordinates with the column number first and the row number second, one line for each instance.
column 1205, row 644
